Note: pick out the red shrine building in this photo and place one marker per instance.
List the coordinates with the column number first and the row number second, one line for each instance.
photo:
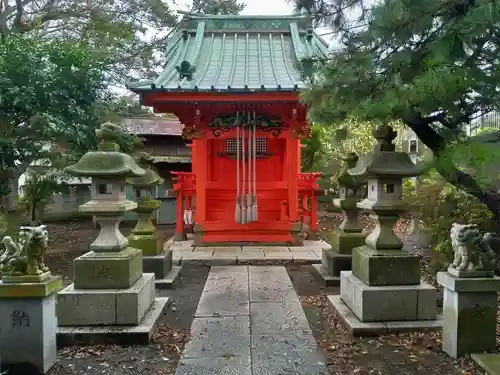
column 234, row 83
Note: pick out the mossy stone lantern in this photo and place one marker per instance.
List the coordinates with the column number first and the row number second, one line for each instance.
column 108, row 168
column 382, row 261
column 144, row 234
column 351, row 192
column 350, row 233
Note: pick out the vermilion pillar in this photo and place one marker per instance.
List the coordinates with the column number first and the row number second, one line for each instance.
column 292, row 151
column 200, row 169
column 179, row 222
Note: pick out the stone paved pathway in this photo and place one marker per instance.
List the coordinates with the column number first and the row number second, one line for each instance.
column 249, row 321
column 186, row 252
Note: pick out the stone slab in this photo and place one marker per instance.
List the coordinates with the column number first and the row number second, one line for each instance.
column 200, row 250
column 269, row 284
column 214, row 366
column 94, row 307
column 307, row 257
column 219, row 337
column 377, row 303
column 31, row 290
column 285, row 318
column 361, row 329
column 281, row 338
column 267, row 249
column 121, row 335
column 224, row 249
column 28, row 334
column 272, row 355
column 311, row 246
column 160, row 264
column 490, row 363
column 169, row 281
column 328, row 280
column 250, row 255
column 470, row 274
column 488, row 284
column 225, row 293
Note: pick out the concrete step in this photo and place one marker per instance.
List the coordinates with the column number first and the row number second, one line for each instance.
column 250, row 321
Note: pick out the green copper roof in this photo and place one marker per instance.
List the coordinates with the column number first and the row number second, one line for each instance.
column 225, row 53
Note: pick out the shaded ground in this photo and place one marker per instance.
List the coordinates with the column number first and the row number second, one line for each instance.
column 160, row 357
column 409, row 354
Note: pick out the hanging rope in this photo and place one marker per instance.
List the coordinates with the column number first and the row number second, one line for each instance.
column 254, row 146
column 243, row 191
column 249, row 192
column 237, row 215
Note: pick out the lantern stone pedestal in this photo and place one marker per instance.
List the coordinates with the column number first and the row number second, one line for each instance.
column 29, row 326
column 111, row 299
column 383, row 293
column 350, row 233
column 155, row 259
column 469, row 313
column 27, row 304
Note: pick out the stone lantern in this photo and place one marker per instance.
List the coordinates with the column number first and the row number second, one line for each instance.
column 350, row 234
column 109, row 287
column 155, row 259
column 384, row 285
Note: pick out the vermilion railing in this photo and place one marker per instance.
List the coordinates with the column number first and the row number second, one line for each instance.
column 185, row 188
column 308, row 204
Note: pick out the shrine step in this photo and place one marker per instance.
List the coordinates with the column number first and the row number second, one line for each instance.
column 250, row 321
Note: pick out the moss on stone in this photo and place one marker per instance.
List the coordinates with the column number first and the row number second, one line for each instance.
column 105, row 164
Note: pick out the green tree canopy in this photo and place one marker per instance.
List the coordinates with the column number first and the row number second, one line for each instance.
column 49, row 91
column 131, row 34
column 431, row 64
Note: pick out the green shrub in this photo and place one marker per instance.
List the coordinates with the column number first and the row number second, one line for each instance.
column 438, row 205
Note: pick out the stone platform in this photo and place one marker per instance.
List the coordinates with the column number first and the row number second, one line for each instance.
column 121, row 335
column 162, row 266
column 358, row 328
column 186, row 252
column 250, row 321
column 118, row 316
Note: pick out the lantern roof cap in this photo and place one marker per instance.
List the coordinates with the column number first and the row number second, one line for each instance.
column 151, row 177
column 107, row 161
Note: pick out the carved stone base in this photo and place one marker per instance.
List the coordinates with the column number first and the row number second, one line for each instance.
column 385, row 267
column 29, row 326
column 27, row 278
column 470, row 274
column 469, row 314
column 106, row 270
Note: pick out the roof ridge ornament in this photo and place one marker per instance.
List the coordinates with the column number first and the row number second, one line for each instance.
column 185, row 70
